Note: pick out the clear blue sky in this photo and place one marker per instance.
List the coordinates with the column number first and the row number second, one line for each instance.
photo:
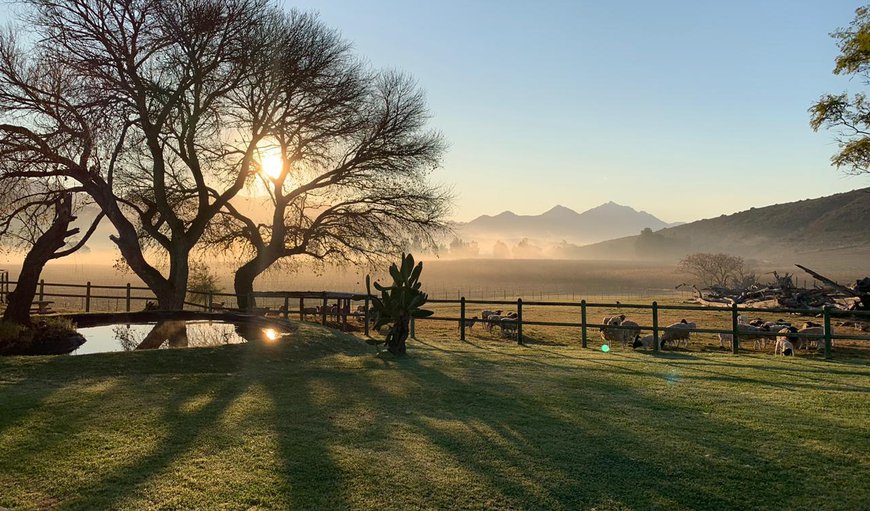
column 686, row 109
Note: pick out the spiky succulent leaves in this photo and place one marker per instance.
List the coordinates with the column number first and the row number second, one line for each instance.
column 400, row 301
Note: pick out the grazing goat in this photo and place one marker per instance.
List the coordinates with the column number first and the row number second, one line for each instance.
column 646, row 342
column 508, row 327
column 625, row 335
column 490, row 319
column 469, row 323
column 784, row 346
column 807, row 342
column 677, row 333
column 746, row 332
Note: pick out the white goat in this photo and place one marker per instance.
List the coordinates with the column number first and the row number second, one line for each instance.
column 625, row 335
column 677, row 333
column 646, row 342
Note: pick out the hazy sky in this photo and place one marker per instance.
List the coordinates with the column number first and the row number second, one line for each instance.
column 686, row 109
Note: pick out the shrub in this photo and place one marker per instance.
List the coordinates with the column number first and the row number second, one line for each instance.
column 200, row 283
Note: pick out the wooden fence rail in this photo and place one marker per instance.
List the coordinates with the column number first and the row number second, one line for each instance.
column 655, row 328
column 344, row 300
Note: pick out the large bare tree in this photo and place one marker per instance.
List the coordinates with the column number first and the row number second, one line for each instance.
column 345, row 162
column 137, row 102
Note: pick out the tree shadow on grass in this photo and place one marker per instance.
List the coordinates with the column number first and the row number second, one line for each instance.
column 555, row 437
column 608, row 455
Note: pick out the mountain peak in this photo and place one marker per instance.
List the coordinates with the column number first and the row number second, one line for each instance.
column 559, row 210
column 610, row 205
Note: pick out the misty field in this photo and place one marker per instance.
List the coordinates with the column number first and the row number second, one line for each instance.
column 319, row 421
column 494, row 279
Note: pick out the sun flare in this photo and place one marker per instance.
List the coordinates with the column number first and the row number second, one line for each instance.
column 271, row 163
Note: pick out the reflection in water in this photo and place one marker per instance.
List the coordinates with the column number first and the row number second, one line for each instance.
column 170, row 334
column 173, row 331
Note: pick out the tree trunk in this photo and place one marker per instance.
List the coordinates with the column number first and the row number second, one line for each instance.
column 243, row 281
column 43, row 250
column 401, row 329
column 128, row 244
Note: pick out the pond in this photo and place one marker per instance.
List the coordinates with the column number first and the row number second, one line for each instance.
column 169, row 334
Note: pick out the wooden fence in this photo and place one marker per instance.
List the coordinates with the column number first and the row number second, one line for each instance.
column 656, row 329
column 344, row 302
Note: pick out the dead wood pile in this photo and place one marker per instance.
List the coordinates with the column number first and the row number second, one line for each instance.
column 783, row 293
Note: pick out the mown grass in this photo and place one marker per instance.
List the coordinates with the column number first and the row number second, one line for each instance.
column 320, row 421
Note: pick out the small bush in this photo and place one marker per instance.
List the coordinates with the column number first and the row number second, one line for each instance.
column 47, row 336
column 200, row 283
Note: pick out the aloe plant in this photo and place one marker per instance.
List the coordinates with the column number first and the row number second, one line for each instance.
column 399, row 303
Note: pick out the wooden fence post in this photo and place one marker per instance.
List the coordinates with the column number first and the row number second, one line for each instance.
column 210, row 301
column 128, row 297
column 41, row 290
column 301, row 309
column 735, row 340
column 583, row 323
column 366, row 316
column 87, row 297
column 323, row 309
column 827, row 321
column 655, row 322
column 462, row 318
column 519, row 320
column 2, row 287
column 286, row 307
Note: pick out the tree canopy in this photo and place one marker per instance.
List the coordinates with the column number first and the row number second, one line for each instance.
column 849, row 115
column 161, row 112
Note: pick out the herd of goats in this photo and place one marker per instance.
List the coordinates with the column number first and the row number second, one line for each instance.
column 618, row 329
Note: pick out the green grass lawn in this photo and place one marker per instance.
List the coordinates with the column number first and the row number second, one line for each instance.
column 319, row 421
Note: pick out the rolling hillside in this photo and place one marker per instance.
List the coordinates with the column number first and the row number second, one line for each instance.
column 833, row 227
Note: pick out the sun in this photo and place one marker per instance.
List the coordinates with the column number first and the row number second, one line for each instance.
column 271, row 163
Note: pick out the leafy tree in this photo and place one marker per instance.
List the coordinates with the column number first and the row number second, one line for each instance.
column 849, row 116
column 399, row 303
column 716, row 270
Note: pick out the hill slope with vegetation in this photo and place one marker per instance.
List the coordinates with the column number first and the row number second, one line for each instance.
column 810, row 229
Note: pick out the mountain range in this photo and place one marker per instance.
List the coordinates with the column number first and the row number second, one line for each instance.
column 833, row 229
column 607, row 221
